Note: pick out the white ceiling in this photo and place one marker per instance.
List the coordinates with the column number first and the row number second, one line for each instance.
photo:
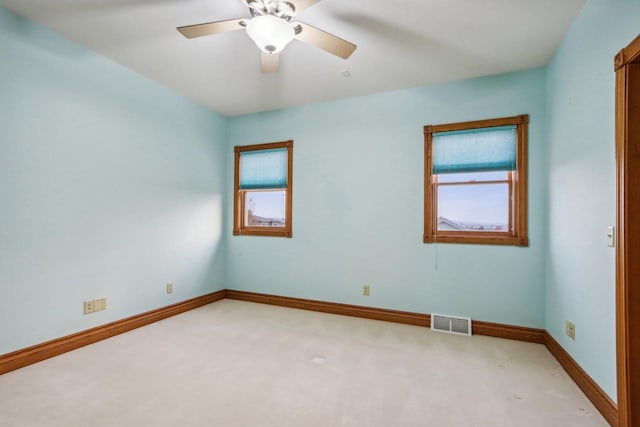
column 401, row 44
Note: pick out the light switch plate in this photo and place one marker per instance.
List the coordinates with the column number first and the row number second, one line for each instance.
column 100, row 304
column 611, row 236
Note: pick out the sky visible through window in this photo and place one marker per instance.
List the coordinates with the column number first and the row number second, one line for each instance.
column 266, row 204
column 474, row 204
column 466, row 204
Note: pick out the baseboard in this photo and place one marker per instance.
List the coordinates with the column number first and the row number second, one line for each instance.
column 509, row 332
column 518, row 333
column 39, row 352
column 334, row 308
column 596, row 395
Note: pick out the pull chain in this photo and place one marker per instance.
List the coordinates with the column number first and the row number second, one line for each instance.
column 435, row 242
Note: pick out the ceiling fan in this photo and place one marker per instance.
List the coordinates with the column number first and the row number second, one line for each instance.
column 271, row 29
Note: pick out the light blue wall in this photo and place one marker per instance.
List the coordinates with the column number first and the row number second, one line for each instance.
column 358, row 206
column 580, row 111
column 110, row 186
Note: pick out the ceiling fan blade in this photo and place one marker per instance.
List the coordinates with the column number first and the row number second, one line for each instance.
column 269, row 63
column 325, row 41
column 199, row 30
column 301, row 5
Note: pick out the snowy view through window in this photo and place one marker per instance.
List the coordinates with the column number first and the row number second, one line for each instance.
column 265, row 208
column 473, row 201
column 466, row 202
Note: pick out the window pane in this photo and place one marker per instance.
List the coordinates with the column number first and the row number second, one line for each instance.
column 473, row 176
column 264, row 208
column 481, row 207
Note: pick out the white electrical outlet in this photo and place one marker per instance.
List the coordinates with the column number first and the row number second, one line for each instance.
column 169, row 288
column 571, row 330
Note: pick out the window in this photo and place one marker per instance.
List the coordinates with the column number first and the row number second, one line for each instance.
column 475, row 188
column 262, row 193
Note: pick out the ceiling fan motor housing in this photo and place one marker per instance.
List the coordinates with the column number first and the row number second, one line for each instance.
column 279, row 8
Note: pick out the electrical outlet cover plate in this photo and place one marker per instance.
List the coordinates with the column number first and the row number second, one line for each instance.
column 571, row 330
column 89, row 307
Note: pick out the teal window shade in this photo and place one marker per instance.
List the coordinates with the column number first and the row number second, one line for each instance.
column 263, row 169
column 475, row 150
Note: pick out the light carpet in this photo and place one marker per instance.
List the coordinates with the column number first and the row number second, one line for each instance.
column 234, row 363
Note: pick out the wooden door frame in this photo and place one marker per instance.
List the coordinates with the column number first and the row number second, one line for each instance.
column 627, row 275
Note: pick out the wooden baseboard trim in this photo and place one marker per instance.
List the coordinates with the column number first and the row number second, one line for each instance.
column 596, row 395
column 518, row 333
column 30, row 355
column 405, row 317
column 509, row 332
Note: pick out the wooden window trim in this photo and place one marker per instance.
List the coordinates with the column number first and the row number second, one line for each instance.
column 239, row 229
column 517, row 208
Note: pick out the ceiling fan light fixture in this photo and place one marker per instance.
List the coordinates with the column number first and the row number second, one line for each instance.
column 270, row 33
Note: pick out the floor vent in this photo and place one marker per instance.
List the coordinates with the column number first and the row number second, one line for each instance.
column 451, row 324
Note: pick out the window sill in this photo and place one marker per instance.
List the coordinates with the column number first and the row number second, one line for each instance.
column 475, row 239
column 262, row 232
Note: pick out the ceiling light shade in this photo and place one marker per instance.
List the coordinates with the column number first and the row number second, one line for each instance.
column 270, row 33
